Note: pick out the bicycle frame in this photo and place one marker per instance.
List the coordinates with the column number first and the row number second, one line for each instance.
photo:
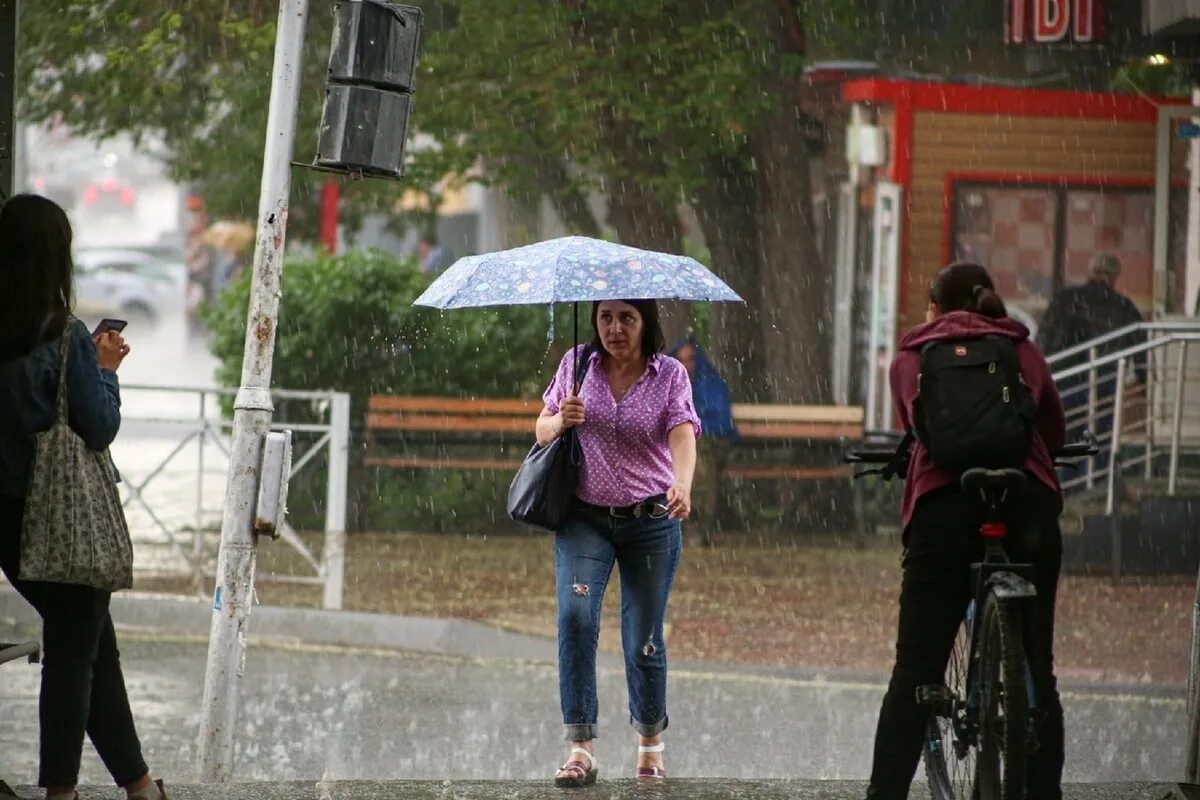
column 1009, row 582
column 956, row 722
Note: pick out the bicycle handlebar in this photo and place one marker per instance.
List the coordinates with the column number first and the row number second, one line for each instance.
column 879, row 455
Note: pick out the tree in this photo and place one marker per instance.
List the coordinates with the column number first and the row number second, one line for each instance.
column 649, row 103
column 658, row 102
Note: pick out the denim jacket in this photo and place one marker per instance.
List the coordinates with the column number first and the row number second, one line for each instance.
column 28, row 386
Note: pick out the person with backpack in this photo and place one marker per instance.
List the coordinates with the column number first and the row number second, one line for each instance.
column 970, row 390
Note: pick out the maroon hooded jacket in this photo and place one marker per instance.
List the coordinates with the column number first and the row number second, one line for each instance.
column 1049, row 424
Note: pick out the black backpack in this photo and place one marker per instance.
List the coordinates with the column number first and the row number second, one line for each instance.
column 973, row 409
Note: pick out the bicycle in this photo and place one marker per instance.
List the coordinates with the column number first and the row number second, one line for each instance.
column 983, row 719
column 11, row 652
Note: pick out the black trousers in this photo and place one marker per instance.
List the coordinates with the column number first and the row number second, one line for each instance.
column 83, row 689
column 943, row 541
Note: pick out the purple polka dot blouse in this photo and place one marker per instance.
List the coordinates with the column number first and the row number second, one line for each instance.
column 626, row 457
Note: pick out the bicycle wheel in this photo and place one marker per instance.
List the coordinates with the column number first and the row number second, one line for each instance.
column 949, row 762
column 1004, row 705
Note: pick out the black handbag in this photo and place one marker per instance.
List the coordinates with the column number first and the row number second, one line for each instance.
column 543, row 489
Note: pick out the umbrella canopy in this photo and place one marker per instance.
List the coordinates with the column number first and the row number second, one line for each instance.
column 570, row 270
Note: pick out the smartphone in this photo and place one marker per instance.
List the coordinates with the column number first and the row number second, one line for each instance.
column 106, row 325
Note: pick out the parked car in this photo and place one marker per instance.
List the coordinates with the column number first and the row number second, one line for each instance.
column 128, row 284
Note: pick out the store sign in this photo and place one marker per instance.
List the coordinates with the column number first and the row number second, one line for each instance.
column 1049, row 21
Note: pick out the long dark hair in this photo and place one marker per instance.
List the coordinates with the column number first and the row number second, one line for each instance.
column 965, row 286
column 35, row 273
column 652, row 335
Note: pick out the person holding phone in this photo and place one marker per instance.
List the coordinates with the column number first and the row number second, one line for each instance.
column 83, row 688
column 638, row 427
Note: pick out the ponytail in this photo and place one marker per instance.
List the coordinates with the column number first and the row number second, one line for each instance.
column 964, row 286
column 988, row 303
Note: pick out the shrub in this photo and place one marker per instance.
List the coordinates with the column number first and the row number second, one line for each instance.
column 347, row 323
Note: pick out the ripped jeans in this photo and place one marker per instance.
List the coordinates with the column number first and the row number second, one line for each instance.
column 647, row 552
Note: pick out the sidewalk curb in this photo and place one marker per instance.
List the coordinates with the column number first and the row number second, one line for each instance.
column 166, row 614
column 159, row 613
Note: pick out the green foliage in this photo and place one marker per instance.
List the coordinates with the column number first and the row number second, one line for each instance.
column 347, row 323
column 1162, row 80
column 190, row 79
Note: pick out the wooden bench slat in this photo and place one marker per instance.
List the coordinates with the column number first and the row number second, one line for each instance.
column 792, row 430
column 447, row 422
column 406, row 462
column 754, row 412
column 795, row 473
column 455, row 405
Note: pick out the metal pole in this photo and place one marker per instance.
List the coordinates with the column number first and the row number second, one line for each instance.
column 334, row 552
column 1177, row 419
column 1091, row 413
column 1192, row 251
column 1114, row 470
column 198, row 535
column 252, row 412
column 1115, row 444
column 8, row 96
column 1162, row 204
column 1192, row 771
column 843, row 278
column 1150, row 388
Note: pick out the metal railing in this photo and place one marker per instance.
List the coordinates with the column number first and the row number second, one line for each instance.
column 204, row 427
column 1168, row 422
column 1092, row 346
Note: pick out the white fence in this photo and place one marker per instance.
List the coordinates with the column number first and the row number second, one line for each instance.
column 173, row 453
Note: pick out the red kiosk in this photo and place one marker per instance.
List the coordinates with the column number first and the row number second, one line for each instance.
column 1032, row 183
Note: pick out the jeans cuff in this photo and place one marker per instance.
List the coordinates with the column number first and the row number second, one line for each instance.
column 649, row 730
column 580, row 733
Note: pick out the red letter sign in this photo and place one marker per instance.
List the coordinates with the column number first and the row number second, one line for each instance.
column 1014, row 21
column 1087, row 20
column 1051, row 19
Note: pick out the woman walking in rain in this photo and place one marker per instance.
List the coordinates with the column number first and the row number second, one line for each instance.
column 83, row 689
column 637, row 427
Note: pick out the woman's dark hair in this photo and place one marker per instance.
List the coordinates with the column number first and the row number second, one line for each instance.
column 35, row 273
column 652, row 335
column 964, row 286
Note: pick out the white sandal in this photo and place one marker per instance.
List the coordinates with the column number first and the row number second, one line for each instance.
column 581, row 774
column 651, row 773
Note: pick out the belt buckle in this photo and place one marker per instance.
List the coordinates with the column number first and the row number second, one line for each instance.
column 639, row 510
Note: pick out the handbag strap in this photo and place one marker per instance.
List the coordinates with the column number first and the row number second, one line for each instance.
column 581, row 366
column 60, row 400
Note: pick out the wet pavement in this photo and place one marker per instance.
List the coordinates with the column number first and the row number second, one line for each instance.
column 312, row 713
column 673, row 789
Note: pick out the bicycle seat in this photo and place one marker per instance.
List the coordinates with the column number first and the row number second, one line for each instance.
column 992, row 481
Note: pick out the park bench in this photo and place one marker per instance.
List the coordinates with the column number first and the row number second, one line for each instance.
column 408, row 432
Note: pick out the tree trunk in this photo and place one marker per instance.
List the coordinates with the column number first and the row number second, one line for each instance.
column 795, row 278
column 569, row 201
column 641, row 219
column 727, row 209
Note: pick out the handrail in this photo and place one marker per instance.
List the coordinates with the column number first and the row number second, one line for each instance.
column 1137, row 349
column 1176, row 326
column 1180, row 335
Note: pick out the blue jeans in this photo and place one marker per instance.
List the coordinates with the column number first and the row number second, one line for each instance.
column 585, row 549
